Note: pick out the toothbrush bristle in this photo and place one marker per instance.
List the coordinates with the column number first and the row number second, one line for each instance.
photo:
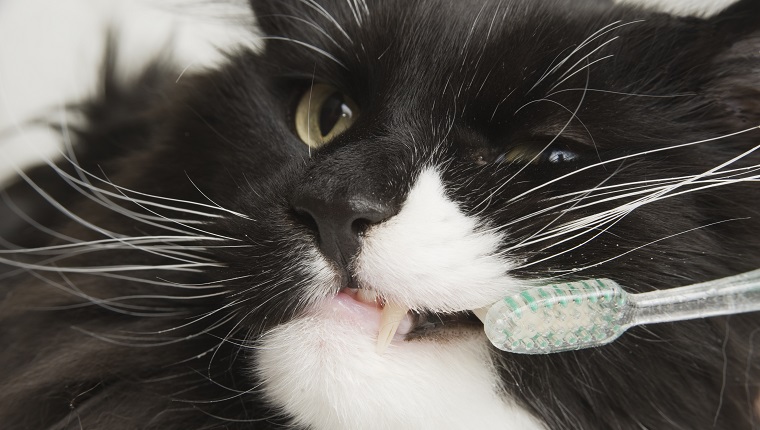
column 558, row 317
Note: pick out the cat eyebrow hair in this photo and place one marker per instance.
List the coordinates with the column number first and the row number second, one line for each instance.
column 306, row 45
column 595, row 35
column 322, row 11
column 359, row 12
column 573, row 132
column 623, row 93
column 313, row 25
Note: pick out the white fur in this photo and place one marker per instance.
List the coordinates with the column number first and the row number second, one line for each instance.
column 323, row 371
column 432, row 256
column 326, row 375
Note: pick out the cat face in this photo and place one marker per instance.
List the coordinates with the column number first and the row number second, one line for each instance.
column 251, row 231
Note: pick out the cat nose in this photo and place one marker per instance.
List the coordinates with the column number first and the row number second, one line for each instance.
column 340, row 218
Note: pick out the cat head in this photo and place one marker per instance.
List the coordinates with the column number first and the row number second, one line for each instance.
column 468, row 147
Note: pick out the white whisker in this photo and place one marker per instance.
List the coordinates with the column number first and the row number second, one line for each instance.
column 625, row 157
column 621, row 93
column 597, row 34
column 124, row 190
column 98, row 197
column 580, row 69
column 579, row 269
column 322, row 11
column 599, row 219
column 551, row 142
column 188, row 267
column 125, row 309
column 23, row 216
column 306, row 45
column 311, row 24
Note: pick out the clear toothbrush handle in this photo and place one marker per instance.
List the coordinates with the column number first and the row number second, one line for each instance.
column 732, row 295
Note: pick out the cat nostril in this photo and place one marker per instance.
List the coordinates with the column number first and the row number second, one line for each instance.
column 339, row 222
column 306, row 220
column 360, row 226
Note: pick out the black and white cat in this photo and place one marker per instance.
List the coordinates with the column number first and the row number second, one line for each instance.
column 219, row 251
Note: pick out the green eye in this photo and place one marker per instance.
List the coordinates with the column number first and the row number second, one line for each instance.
column 322, row 114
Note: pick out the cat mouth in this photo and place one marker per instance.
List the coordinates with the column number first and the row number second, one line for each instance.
column 397, row 322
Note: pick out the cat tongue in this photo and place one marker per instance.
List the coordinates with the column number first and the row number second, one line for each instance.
column 390, row 319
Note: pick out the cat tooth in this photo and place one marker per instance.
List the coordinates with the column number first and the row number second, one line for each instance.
column 390, row 319
column 481, row 313
column 366, row 295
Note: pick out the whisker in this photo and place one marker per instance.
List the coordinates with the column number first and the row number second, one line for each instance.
column 610, row 217
column 125, row 309
column 621, row 93
column 588, row 65
column 99, row 198
column 625, row 157
column 551, row 142
column 106, row 244
column 81, row 221
column 26, row 218
column 188, row 267
column 117, row 339
column 176, row 222
column 124, row 190
column 306, row 45
column 322, row 11
column 311, row 24
column 597, row 34
column 579, row 269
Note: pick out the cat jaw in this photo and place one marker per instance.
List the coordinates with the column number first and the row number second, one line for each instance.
column 323, row 370
column 324, row 373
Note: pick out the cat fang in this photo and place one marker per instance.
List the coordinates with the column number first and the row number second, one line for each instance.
column 391, row 315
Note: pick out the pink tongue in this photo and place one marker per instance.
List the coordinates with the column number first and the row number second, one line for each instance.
column 363, row 315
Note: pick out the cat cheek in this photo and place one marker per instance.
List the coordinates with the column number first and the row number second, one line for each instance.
column 432, row 256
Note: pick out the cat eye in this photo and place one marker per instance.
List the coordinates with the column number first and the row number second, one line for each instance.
column 322, row 114
column 538, row 153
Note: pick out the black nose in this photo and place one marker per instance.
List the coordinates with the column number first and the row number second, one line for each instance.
column 340, row 218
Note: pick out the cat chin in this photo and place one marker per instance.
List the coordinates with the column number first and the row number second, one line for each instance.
column 322, row 370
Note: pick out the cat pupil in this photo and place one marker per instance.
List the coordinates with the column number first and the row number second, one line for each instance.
column 560, row 155
column 333, row 110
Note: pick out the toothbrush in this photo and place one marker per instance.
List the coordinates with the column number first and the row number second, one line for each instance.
column 589, row 313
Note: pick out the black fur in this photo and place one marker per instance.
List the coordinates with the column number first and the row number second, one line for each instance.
column 438, row 82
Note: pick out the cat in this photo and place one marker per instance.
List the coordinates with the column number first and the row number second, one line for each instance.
column 217, row 251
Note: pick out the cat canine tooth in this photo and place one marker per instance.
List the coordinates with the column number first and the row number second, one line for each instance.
column 390, row 319
column 366, row 295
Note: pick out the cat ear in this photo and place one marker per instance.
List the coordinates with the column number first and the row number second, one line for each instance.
column 735, row 73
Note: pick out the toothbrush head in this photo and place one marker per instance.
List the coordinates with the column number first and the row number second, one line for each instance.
column 561, row 317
